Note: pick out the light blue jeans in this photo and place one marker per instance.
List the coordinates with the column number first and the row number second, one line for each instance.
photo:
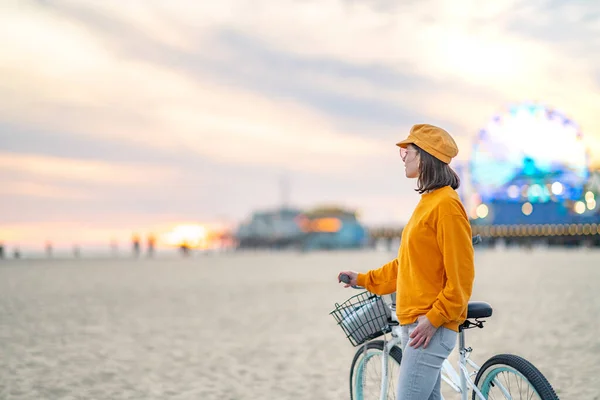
column 420, row 370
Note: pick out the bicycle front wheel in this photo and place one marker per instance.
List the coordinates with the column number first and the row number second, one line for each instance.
column 366, row 372
column 506, row 376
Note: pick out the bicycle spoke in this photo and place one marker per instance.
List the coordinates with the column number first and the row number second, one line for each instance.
column 515, row 385
column 372, row 374
column 521, row 388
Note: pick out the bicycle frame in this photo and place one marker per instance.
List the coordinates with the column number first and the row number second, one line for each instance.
column 459, row 382
column 384, row 360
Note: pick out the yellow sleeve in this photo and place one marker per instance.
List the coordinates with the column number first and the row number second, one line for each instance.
column 382, row 280
column 454, row 239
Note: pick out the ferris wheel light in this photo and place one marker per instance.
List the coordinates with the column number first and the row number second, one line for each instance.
column 589, row 196
column 557, row 188
column 513, row 191
column 482, row 211
column 535, row 190
column 527, row 208
column 517, row 151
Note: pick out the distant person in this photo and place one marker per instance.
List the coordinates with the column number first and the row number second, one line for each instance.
column 76, row 251
column 17, row 253
column 48, row 249
column 136, row 245
column 185, row 249
column 434, row 271
column 151, row 245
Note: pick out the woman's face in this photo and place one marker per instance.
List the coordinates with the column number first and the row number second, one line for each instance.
column 411, row 158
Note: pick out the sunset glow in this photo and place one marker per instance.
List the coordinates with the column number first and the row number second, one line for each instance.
column 191, row 235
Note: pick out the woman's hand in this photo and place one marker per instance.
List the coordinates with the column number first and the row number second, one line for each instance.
column 423, row 333
column 352, row 274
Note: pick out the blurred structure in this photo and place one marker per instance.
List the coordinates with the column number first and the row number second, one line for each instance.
column 1, row 251
column 274, row 229
column 332, row 228
column 531, row 180
column 320, row 228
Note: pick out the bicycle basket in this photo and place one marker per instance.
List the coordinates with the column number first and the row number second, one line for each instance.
column 363, row 317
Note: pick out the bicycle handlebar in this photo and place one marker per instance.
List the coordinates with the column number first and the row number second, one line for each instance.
column 346, row 279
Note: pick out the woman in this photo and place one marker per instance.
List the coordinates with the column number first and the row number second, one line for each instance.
column 434, row 271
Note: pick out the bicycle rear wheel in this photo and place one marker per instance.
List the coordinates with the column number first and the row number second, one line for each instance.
column 365, row 372
column 507, row 376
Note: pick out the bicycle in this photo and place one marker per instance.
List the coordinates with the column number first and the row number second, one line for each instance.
column 366, row 316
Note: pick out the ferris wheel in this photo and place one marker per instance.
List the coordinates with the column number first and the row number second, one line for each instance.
column 529, row 153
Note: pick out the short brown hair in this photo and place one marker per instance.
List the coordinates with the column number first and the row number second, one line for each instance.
column 434, row 174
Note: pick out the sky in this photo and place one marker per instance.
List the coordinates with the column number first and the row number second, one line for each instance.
column 120, row 117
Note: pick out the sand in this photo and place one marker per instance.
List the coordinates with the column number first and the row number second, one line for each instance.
column 257, row 325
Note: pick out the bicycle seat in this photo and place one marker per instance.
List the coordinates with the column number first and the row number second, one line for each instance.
column 479, row 309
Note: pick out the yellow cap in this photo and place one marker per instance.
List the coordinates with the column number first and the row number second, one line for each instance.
column 433, row 140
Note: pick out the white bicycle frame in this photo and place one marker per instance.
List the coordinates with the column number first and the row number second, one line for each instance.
column 459, row 382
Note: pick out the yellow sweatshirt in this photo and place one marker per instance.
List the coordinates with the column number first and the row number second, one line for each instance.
column 434, row 271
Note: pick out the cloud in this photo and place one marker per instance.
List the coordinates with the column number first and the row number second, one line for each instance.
column 443, row 50
column 19, row 137
column 213, row 120
column 41, row 190
column 60, row 169
column 415, row 60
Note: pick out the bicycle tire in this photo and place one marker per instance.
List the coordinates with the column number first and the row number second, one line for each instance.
column 506, row 362
column 372, row 348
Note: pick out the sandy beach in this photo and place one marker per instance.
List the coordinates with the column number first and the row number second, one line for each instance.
column 257, row 325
